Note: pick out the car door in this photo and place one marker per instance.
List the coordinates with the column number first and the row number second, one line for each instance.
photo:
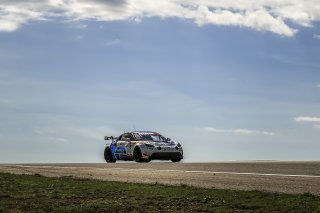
column 121, row 150
column 130, row 141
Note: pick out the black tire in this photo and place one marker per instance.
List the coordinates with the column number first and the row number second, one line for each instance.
column 175, row 160
column 137, row 156
column 108, row 155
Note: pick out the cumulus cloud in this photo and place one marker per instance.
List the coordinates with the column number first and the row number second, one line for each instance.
column 303, row 119
column 15, row 13
column 262, row 15
column 239, row 131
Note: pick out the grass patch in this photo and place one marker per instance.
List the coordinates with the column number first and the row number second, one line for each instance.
column 34, row 193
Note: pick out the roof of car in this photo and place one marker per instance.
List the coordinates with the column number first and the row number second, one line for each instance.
column 145, row 132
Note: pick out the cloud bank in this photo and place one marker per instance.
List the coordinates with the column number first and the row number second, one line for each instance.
column 261, row 15
column 239, row 131
column 307, row 119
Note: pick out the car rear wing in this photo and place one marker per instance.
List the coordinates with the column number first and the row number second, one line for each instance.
column 110, row 138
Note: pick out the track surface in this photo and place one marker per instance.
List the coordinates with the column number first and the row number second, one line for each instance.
column 283, row 177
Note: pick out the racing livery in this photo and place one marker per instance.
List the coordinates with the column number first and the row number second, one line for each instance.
column 142, row 146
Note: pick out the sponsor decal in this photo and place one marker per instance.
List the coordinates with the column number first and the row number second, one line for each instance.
column 120, row 150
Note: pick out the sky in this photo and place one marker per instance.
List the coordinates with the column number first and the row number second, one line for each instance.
column 230, row 80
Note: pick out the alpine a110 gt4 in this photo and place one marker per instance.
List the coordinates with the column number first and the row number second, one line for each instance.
column 142, row 146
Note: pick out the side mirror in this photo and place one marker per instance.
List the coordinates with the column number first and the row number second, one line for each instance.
column 127, row 139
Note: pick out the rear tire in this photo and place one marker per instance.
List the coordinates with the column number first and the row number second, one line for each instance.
column 108, row 156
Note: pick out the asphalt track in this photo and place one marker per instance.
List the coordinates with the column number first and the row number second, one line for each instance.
column 274, row 176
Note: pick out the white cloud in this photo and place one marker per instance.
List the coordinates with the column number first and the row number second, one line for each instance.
column 14, row 14
column 238, row 131
column 303, row 119
column 261, row 15
column 9, row 26
column 316, row 36
column 315, row 121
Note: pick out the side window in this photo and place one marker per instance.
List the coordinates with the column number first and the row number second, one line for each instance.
column 130, row 136
column 136, row 137
column 126, row 136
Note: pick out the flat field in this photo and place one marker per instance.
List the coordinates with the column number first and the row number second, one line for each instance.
column 36, row 193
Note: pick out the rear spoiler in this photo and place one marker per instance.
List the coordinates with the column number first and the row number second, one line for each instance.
column 109, row 138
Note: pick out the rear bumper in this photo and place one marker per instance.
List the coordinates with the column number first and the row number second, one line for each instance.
column 166, row 155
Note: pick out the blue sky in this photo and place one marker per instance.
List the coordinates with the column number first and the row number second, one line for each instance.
column 229, row 80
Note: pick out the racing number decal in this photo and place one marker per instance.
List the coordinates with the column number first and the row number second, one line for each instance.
column 120, row 150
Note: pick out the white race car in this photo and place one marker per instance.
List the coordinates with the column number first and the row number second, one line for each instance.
column 142, row 146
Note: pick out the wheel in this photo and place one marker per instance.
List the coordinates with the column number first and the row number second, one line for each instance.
column 176, row 160
column 108, row 156
column 137, row 155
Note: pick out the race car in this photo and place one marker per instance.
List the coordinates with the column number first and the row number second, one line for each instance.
column 142, row 146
